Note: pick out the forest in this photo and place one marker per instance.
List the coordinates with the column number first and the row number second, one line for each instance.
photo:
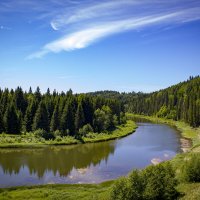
column 76, row 114
column 57, row 113
column 178, row 102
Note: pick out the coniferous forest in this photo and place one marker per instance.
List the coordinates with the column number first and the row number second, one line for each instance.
column 64, row 113
column 73, row 114
column 178, row 102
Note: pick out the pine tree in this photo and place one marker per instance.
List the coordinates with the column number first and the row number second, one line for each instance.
column 41, row 118
column 54, row 124
column 20, row 100
column 29, row 116
column 11, row 120
column 37, row 94
column 1, row 123
column 67, row 119
column 79, row 117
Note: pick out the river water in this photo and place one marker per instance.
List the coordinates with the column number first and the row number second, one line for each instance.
column 89, row 163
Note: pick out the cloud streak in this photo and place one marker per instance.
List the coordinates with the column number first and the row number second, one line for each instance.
column 86, row 24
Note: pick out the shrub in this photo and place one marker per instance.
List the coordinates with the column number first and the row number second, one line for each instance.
column 57, row 133
column 120, row 190
column 159, row 182
column 42, row 133
column 135, row 185
column 191, row 169
column 153, row 183
column 85, row 130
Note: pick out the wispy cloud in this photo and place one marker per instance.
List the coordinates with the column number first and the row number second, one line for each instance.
column 85, row 23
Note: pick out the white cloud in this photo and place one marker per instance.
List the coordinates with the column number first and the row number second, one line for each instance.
column 87, row 24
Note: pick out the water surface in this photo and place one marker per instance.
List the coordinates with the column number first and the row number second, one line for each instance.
column 89, row 163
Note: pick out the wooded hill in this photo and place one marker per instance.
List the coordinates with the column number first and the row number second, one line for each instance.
column 178, row 102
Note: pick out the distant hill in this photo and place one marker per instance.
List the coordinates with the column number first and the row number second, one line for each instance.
column 178, row 102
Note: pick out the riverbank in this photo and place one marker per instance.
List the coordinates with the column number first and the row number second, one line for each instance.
column 190, row 136
column 59, row 191
column 102, row 191
column 29, row 140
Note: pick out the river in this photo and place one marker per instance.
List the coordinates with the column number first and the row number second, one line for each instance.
column 89, row 163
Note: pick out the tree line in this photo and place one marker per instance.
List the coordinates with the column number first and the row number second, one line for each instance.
column 67, row 113
column 178, row 102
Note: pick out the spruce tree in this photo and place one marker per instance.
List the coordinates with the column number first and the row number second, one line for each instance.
column 11, row 120
column 67, row 119
column 41, row 118
column 29, row 115
column 79, row 117
column 1, row 123
column 54, row 124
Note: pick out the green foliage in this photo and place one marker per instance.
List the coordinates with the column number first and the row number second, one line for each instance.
column 154, row 182
column 12, row 120
column 191, row 168
column 85, row 130
column 120, row 190
column 178, row 102
column 1, row 123
column 54, row 124
column 79, row 117
column 67, row 120
column 162, row 112
column 41, row 118
column 44, row 134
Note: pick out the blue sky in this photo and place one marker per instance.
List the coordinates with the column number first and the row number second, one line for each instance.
column 88, row 45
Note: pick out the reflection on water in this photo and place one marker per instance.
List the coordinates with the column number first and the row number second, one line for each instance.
column 88, row 163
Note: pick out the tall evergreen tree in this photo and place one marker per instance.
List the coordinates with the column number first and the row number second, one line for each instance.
column 67, row 119
column 54, row 124
column 11, row 120
column 20, row 100
column 41, row 118
column 79, row 117
column 1, row 123
column 29, row 116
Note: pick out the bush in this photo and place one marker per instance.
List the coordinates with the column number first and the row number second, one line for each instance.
column 153, row 183
column 159, row 182
column 191, row 169
column 57, row 133
column 42, row 133
column 120, row 190
column 85, row 130
column 135, row 185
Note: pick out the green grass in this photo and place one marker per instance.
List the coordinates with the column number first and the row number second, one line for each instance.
column 120, row 131
column 58, row 192
column 189, row 191
column 186, row 130
column 29, row 140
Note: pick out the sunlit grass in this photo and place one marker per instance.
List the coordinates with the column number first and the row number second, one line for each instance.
column 30, row 140
column 58, row 192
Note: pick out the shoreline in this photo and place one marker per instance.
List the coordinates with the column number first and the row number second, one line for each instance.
column 120, row 132
column 189, row 136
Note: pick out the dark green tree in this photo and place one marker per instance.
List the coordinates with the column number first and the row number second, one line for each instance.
column 41, row 118
column 11, row 120
column 1, row 123
column 67, row 120
column 79, row 118
column 54, row 124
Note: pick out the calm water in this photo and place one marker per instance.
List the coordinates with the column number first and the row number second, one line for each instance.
column 88, row 163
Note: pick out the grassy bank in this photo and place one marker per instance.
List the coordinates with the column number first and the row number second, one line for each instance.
column 102, row 191
column 186, row 131
column 58, row 192
column 29, row 140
